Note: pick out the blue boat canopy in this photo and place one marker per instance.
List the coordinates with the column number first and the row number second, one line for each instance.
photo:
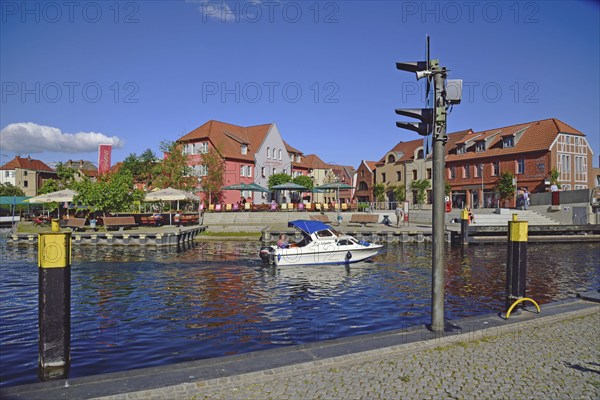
column 308, row 226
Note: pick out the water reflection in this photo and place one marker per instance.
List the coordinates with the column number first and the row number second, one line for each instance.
column 138, row 307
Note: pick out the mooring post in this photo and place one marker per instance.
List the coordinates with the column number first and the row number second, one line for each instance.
column 464, row 227
column 54, row 305
column 516, row 263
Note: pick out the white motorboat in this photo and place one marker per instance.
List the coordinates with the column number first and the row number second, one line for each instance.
column 320, row 244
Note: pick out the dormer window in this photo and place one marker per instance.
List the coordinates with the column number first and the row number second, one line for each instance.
column 461, row 149
column 480, row 145
column 244, row 149
column 420, row 154
column 391, row 159
column 508, row 142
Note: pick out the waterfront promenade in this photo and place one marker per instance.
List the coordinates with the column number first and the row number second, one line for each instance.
column 552, row 355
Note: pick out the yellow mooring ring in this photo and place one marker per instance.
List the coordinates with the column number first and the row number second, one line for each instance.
column 520, row 301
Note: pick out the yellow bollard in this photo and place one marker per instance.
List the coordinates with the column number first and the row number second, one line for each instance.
column 54, row 305
column 55, row 225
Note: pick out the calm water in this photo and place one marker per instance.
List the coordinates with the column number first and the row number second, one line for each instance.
column 135, row 308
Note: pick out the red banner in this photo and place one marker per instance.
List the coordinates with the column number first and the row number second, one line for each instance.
column 104, row 151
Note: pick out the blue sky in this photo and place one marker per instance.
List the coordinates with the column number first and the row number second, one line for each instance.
column 136, row 73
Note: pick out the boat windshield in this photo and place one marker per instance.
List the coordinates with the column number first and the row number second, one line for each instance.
column 327, row 233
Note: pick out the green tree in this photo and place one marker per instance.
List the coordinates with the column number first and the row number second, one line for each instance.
column 66, row 176
column 141, row 167
column 278, row 179
column 214, row 179
column 111, row 193
column 421, row 186
column 304, row 181
column 379, row 192
column 447, row 188
column 49, row 186
column 554, row 176
column 173, row 171
column 7, row 189
column 505, row 186
column 399, row 192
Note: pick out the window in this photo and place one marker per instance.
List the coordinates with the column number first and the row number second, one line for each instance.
column 244, row 149
column 398, row 175
column 262, row 172
column 508, row 142
column 461, row 149
column 24, row 173
column 480, row 145
column 429, row 173
column 414, row 174
column 520, row 166
column 200, row 170
column 274, row 153
column 383, row 176
column 249, row 171
column 362, row 173
column 6, row 174
column 452, row 172
column 268, row 153
column 467, row 171
column 203, row 147
column 478, row 170
column 280, row 154
column 274, row 170
column 25, row 184
column 391, row 158
column 496, row 168
column 362, row 185
column 420, row 154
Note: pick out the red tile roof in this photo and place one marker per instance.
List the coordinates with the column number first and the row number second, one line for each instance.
column 534, row 136
column 26, row 163
column 408, row 148
column 371, row 164
column 228, row 138
column 313, row 161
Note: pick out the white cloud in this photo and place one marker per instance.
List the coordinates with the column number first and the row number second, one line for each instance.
column 217, row 10
column 27, row 137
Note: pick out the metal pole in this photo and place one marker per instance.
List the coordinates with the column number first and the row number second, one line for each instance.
column 438, row 259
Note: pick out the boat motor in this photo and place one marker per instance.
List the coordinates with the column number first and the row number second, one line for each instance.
column 266, row 253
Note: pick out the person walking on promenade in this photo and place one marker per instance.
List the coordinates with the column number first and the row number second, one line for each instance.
column 399, row 215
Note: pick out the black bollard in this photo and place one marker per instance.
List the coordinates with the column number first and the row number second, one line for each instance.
column 54, row 305
column 516, row 263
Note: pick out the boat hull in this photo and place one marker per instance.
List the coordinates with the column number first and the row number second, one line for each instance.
column 304, row 256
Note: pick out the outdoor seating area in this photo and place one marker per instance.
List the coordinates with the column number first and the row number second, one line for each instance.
column 285, row 207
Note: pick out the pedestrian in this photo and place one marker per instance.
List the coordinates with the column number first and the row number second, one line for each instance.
column 177, row 218
column 471, row 215
column 526, row 198
column 399, row 215
column 282, row 243
column 554, row 187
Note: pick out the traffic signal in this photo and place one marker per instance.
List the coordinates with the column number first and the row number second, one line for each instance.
column 425, row 115
column 422, row 69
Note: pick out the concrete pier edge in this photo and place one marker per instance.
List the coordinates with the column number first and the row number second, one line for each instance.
column 252, row 367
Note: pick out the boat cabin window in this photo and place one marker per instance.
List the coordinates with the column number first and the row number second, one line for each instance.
column 324, row 233
column 344, row 242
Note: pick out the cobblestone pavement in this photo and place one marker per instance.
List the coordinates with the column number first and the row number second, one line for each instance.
column 556, row 357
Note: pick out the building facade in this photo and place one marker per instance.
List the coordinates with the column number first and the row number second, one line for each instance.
column 27, row 174
column 530, row 151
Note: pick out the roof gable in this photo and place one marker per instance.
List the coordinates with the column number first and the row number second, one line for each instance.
column 26, row 163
